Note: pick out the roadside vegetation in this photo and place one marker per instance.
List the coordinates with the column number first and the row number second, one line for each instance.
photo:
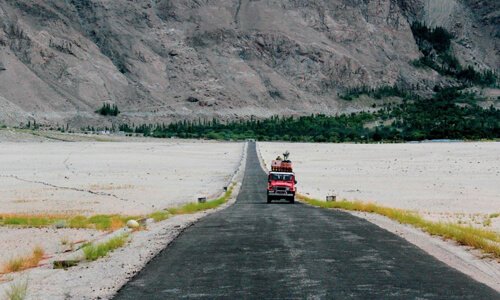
column 450, row 114
column 190, row 208
column 23, row 262
column 98, row 222
column 17, row 290
column 106, row 222
column 485, row 240
column 92, row 252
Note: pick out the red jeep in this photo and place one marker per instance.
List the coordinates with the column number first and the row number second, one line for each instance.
column 281, row 181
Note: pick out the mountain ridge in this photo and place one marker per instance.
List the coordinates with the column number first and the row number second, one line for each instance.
column 166, row 60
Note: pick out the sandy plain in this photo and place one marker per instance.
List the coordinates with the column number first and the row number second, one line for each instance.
column 40, row 175
column 456, row 181
column 107, row 178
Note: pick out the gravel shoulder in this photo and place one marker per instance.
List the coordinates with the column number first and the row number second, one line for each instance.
column 463, row 259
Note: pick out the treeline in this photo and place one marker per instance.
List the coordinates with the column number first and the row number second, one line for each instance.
column 450, row 114
column 314, row 128
column 435, row 45
column 378, row 93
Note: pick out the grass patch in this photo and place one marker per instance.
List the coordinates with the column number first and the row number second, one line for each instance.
column 93, row 252
column 17, row 291
column 190, row 208
column 485, row 240
column 160, row 215
column 105, row 222
column 98, row 222
column 24, row 262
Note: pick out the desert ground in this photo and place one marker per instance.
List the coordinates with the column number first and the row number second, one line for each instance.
column 127, row 176
column 111, row 178
column 455, row 181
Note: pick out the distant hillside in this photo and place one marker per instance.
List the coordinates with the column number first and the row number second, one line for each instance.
column 165, row 60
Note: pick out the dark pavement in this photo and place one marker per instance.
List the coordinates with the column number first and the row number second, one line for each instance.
column 255, row 250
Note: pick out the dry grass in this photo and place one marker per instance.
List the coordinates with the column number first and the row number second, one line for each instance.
column 17, row 290
column 485, row 240
column 196, row 207
column 24, row 262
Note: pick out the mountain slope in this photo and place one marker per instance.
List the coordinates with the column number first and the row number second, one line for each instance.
column 164, row 60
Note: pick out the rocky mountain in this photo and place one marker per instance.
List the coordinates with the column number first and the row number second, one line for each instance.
column 163, row 60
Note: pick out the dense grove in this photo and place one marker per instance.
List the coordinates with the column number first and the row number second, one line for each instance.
column 450, row 114
column 108, row 110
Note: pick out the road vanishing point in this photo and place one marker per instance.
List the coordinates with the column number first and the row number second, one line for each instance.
column 255, row 250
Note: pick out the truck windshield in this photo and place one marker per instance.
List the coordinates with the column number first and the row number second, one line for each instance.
column 282, row 177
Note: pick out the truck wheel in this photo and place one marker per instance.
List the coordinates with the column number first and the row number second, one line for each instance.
column 292, row 200
column 269, row 199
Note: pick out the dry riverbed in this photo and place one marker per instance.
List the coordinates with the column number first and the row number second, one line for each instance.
column 128, row 176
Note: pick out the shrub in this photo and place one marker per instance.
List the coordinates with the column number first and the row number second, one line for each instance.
column 17, row 291
column 25, row 262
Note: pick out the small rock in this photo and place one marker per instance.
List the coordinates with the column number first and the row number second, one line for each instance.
column 193, row 99
column 132, row 224
column 260, row 41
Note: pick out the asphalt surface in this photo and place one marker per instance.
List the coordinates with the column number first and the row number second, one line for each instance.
column 255, row 250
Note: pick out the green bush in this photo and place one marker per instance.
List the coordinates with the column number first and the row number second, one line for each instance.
column 108, row 110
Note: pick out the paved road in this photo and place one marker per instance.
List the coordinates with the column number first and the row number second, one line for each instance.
column 256, row 250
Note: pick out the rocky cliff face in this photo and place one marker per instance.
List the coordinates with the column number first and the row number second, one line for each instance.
column 164, row 60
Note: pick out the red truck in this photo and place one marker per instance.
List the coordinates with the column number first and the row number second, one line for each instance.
column 281, row 180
